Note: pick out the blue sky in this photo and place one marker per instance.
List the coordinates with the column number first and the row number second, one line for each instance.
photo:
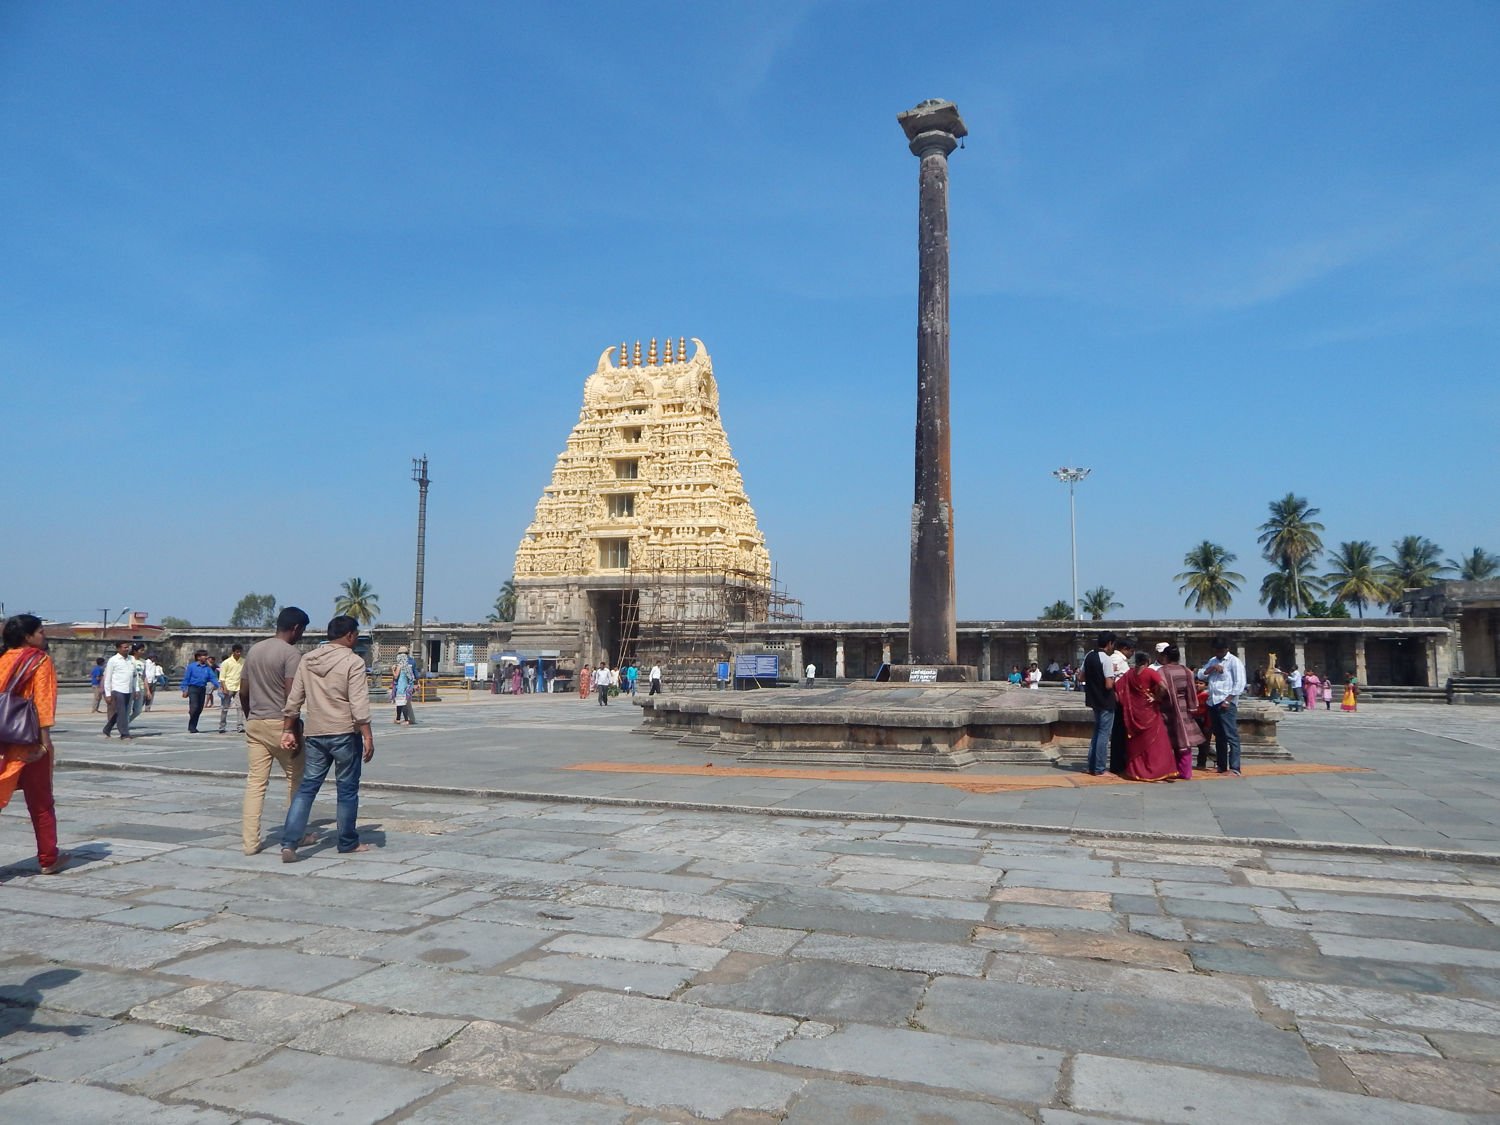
column 256, row 256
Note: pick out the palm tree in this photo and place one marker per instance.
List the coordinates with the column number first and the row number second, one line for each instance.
column 1099, row 601
column 1476, row 567
column 505, row 602
column 1289, row 539
column 357, row 600
column 1058, row 611
column 1354, row 578
column 1290, row 588
column 1207, row 580
column 1414, row 565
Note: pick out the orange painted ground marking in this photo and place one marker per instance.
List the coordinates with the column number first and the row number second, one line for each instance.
column 970, row 784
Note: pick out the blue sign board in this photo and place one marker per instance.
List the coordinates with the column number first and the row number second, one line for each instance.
column 747, row 667
column 722, row 674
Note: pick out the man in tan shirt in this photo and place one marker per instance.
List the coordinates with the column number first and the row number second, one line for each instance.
column 333, row 685
column 265, row 682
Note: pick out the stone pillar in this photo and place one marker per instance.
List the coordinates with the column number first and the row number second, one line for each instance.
column 1239, row 648
column 932, row 130
column 838, row 656
column 1432, row 670
column 1456, row 627
column 1182, row 651
column 1359, row 660
column 1299, row 651
column 984, row 656
column 1031, row 648
column 885, row 648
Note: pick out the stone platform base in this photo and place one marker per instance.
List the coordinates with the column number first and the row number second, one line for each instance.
column 896, row 725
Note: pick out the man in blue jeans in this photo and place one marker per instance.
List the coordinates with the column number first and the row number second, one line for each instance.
column 1099, row 694
column 331, row 682
column 1225, row 674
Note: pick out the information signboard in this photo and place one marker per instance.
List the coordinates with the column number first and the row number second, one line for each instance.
column 755, row 667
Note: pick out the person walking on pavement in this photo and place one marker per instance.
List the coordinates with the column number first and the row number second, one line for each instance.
column 230, row 674
column 265, row 682
column 26, row 670
column 196, row 678
column 96, row 680
column 632, row 673
column 332, row 683
column 1099, row 694
column 119, row 690
column 1225, row 674
column 655, row 678
column 603, row 678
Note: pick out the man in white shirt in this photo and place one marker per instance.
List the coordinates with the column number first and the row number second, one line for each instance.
column 119, row 690
column 603, row 678
column 655, row 679
column 812, row 674
column 154, row 672
column 1225, row 674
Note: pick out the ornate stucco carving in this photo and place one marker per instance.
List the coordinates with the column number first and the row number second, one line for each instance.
column 687, row 509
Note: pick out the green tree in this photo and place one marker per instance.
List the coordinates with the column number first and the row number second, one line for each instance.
column 170, row 622
column 1099, row 601
column 1354, row 577
column 1291, row 589
column 1290, row 541
column 1206, row 579
column 254, row 611
column 1476, row 566
column 505, row 603
column 1321, row 609
column 1058, row 611
column 357, row 600
column 1412, row 565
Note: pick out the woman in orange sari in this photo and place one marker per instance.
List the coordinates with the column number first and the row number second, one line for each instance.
column 585, row 682
column 26, row 670
column 1148, row 750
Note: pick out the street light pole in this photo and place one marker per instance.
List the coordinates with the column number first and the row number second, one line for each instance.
column 1071, row 477
column 419, row 474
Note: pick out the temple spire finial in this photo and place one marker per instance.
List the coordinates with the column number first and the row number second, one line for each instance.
column 637, row 361
column 651, row 355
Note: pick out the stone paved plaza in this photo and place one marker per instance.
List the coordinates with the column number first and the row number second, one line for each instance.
column 1426, row 776
column 539, row 961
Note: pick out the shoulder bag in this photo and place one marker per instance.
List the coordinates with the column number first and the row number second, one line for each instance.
column 18, row 720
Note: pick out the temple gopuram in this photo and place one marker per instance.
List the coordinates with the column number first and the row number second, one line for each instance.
column 644, row 546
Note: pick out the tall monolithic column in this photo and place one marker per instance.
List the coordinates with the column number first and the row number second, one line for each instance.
column 933, row 129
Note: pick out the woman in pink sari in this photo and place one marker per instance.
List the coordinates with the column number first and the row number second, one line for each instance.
column 1310, row 685
column 1178, row 707
column 1148, row 753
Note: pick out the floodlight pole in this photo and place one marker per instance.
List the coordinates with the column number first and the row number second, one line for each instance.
column 1071, row 477
column 419, row 474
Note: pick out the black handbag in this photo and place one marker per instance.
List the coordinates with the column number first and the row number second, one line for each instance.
column 18, row 721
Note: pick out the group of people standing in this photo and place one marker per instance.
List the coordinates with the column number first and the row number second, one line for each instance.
column 1151, row 715
column 601, row 679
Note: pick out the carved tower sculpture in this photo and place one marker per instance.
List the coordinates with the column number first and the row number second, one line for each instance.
column 645, row 521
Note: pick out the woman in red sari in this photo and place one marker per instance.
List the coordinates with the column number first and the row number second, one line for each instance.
column 1178, row 710
column 27, row 670
column 1148, row 753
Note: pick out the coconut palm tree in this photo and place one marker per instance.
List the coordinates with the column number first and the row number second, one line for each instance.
column 1207, row 581
column 1477, row 566
column 1058, row 611
column 1099, row 601
column 505, row 603
column 1290, row 588
column 1290, row 539
column 1354, row 577
column 357, row 600
column 1413, row 564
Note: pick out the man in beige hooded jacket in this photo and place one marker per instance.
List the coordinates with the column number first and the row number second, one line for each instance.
column 331, row 683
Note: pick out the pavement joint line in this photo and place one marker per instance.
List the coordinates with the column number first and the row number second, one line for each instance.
column 1394, row 851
